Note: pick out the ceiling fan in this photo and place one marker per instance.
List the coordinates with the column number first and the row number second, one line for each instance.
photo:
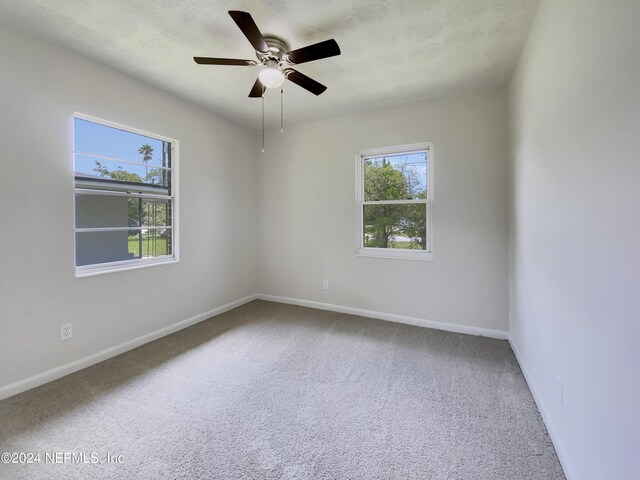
column 274, row 54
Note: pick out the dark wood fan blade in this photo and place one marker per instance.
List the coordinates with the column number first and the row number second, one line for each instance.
column 305, row 82
column 223, row 61
column 250, row 30
column 257, row 90
column 328, row 48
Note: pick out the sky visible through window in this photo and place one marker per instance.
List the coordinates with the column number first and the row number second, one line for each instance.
column 415, row 161
column 94, row 138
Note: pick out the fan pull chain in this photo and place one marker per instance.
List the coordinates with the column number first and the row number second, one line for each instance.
column 262, row 121
column 281, row 114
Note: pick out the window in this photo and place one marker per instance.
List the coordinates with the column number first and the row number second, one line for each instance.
column 125, row 197
column 394, row 194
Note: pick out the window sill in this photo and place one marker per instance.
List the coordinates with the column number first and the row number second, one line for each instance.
column 395, row 254
column 101, row 269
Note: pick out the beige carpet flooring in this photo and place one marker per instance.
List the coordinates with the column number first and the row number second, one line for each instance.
column 271, row 391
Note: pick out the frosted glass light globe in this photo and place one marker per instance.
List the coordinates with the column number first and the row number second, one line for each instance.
column 271, row 77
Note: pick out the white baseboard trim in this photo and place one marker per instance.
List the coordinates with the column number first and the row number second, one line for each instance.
column 390, row 317
column 569, row 472
column 58, row 372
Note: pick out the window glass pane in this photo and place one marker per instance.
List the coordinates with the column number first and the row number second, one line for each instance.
column 100, row 211
column 97, row 211
column 102, row 247
column 134, row 244
column 156, row 213
column 396, row 177
column 90, row 137
column 91, row 172
column 401, row 226
column 152, row 243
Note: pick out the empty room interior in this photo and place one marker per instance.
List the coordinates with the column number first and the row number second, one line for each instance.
column 385, row 239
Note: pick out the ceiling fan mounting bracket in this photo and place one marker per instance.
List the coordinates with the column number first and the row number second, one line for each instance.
column 277, row 49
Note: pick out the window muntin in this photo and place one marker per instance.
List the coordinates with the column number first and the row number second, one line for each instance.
column 394, row 193
column 115, row 170
column 125, row 197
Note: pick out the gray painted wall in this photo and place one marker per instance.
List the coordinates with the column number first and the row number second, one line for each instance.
column 308, row 216
column 575, row 266
column 40, row 89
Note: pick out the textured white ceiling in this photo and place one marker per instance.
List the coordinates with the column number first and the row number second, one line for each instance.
column 393, row 51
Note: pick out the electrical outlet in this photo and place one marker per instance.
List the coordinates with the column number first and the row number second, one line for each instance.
column 560, row 388
column 325, row 284
column 66, row 331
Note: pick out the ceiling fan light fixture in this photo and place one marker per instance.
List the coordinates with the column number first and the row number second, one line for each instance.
column 271, row 77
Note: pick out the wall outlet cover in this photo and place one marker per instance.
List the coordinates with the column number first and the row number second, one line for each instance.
column 66, row 331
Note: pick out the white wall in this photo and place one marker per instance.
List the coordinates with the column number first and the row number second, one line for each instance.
column 575, row 229
column 308, row 221
column 40, row 88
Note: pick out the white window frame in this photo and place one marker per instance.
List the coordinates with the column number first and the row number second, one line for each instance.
column 402, row 254
column 136, row 263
